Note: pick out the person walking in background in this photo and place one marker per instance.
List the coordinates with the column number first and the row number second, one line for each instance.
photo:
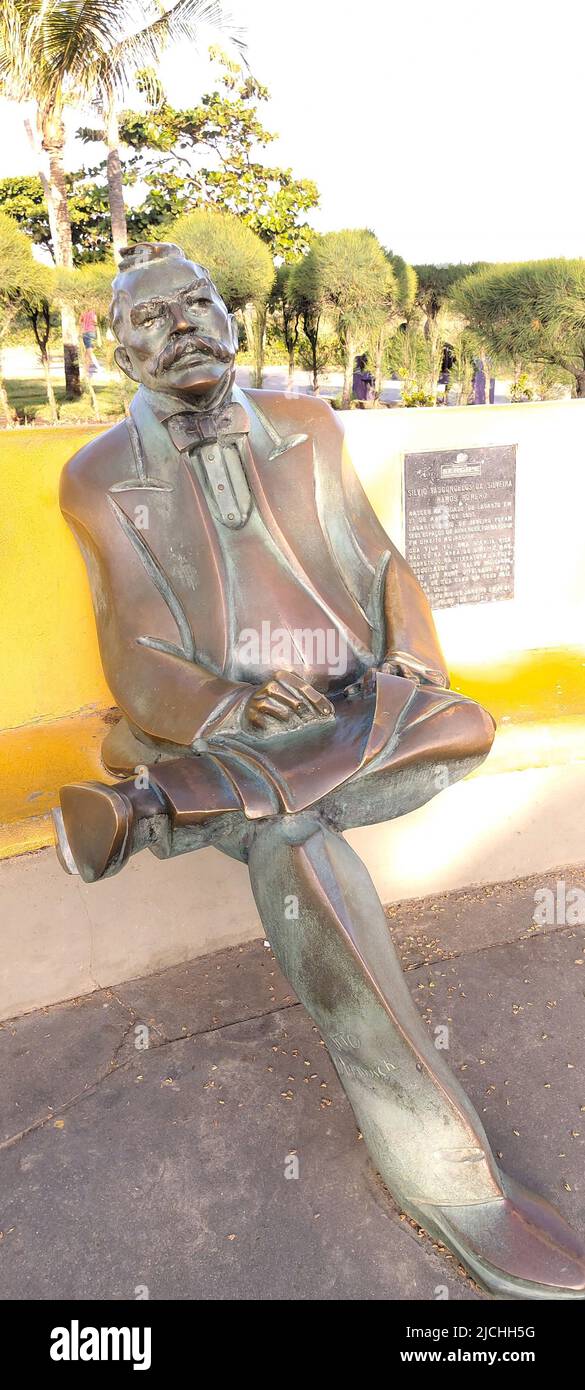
column 88, row 329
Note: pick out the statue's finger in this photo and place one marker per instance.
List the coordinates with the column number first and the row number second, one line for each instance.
column 254, row 718
column 279, row 691
column 312, row 699
column 272, row 707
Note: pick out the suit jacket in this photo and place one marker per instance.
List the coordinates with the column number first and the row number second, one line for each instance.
column 161, row 595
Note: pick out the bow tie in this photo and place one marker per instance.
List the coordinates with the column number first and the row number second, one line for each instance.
column 187, row 429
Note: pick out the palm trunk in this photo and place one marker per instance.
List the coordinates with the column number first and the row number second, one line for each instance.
column 115, row 183
column 380, row 341
column 255, row 322
column 53, row 139
column 49, row 387
column 348, row 373
column 34, row 135
column 580, row 383
column 311, row 329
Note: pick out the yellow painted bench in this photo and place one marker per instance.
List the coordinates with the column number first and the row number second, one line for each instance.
column 55, row 704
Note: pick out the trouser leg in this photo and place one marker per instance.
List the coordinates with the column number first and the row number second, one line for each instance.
column 327, row 928
column 325, row 923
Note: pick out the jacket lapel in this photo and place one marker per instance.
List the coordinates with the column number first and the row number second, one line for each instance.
column 284, row 478
column 168, row 522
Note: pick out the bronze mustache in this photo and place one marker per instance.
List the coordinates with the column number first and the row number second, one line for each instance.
column 192, row 342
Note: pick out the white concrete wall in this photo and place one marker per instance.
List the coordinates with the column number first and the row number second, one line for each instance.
column 549, row 605
column 60, row 938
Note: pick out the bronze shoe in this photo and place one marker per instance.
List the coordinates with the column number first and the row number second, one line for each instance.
column 516, row 1246
column 99, row 827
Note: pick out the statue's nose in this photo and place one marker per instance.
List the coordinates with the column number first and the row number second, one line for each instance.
column 179, row 318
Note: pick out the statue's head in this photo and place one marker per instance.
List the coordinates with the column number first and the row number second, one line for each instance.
column 173, row 329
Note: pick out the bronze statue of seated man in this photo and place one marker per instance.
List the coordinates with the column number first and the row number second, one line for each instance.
column 280, row 680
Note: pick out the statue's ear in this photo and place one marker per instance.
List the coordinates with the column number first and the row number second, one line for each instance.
column 234, row 332
column 124, row 363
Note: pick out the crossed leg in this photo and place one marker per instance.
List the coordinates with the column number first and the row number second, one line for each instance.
column 323, row 918
column 324, row 921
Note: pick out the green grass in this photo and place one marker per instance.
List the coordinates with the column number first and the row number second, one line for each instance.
column 28, row 398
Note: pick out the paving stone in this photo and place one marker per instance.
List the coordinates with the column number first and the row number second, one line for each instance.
column 516, row 1020
column 166, row 1167
column 209, row 992
column 171, row 1174
column 52, row 1055
column 427, row 929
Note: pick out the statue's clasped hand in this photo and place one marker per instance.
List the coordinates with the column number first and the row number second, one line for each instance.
column 286, row 699
column 396, row 666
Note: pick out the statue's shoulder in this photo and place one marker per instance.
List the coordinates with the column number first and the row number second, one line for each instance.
column 101, row 462
column 291, row 409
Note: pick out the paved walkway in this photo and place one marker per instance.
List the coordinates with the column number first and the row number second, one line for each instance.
column 165, row 1166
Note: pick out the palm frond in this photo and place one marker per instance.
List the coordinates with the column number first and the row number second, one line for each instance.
column 21, row 48
column 99, row 44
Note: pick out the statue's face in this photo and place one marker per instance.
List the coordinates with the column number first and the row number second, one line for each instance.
column 174, row 330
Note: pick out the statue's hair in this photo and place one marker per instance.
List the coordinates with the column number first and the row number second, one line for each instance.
column 142, row 252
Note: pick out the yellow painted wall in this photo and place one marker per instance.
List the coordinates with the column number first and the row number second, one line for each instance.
column 50, row 660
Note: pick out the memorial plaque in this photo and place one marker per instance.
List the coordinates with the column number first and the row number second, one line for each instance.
column 459, row 521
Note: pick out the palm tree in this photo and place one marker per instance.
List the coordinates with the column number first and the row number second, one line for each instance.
column 95, row 48
column 531, row 313
column 347, row 275
column 25, row 78
column 399, row 302
column 54, row 51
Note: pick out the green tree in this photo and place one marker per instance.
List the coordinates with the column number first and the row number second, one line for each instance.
column 225, row 126
column 239, row 263
column 398, row 305
column 530, row 313
column 22, row 197
column 96, row 49
column 346, row 276
column 55, row 50
column 286, row 309
column 89, row 287
column 308, row 297
column 436, row 282
column 26, row 77
column 24, row 286
column 433, row 313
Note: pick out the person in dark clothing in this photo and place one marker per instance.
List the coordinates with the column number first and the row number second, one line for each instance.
column 363, row 381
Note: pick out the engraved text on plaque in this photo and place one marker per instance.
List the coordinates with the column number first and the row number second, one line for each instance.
column 459, row 520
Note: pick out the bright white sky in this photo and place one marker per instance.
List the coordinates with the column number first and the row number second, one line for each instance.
column 454, row 131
